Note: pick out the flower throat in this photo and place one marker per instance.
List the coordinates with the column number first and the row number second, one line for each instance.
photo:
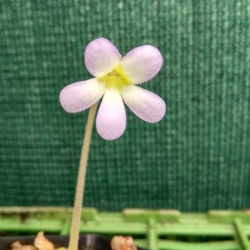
column 116, row 79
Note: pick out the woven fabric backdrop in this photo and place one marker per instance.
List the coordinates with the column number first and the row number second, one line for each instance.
column 197, row 158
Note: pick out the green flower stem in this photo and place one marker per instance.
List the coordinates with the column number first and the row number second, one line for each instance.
column 75, row 224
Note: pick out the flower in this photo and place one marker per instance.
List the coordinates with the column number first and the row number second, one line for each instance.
column 115, row 80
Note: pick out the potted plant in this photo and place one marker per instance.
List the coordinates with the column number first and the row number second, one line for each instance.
column 115, row 79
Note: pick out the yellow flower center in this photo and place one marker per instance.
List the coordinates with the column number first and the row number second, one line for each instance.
column 116, row 79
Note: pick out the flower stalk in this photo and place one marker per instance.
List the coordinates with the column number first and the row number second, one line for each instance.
column 77, row 210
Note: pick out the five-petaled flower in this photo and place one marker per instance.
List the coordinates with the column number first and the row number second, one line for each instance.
column 115, row 80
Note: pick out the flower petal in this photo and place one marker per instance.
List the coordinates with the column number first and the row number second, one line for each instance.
column 111, row 117
column 145, row 104
column 101, row 56
column 79, row 96
column 142, row 63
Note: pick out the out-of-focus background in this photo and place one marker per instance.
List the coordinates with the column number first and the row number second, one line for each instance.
column 197, row 158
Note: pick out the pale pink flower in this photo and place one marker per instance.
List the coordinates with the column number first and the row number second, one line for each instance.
column 115, row 79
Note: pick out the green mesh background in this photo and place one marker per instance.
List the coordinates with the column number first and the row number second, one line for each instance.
column 197, row 158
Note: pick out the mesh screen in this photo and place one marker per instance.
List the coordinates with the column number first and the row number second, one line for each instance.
column 197, row 158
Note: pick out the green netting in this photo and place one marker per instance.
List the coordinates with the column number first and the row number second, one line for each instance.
column 197, row 158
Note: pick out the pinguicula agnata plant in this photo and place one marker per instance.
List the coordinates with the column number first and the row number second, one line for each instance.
column 115, row 80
